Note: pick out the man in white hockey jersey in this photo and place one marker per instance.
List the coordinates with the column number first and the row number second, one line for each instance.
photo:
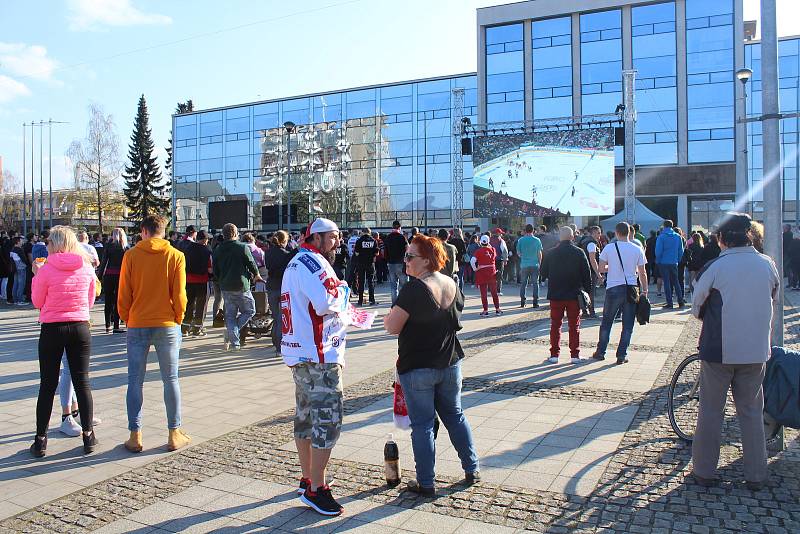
column 313, row 344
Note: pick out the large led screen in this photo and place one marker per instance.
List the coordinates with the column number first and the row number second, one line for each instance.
column 570, row 172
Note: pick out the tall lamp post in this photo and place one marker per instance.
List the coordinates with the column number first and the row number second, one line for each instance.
column 744, row 75
column 289, row 126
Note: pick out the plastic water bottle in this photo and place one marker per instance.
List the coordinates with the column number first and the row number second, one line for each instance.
column 391, row 461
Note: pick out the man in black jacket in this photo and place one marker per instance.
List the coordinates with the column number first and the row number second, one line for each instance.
column 395, row 245
column 567, row 271
column 198, row 267
column 364, row 251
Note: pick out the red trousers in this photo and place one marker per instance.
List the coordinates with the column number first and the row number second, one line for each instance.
column 490, row 285
column 557, row 309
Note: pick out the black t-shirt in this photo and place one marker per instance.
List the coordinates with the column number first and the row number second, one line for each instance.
column 366, row 249
column 275, row 260
column 395, row 244
column 428, row 339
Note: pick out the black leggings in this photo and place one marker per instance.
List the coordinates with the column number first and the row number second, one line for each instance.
column 110, row 288
column 196, row 295
column 54, row 339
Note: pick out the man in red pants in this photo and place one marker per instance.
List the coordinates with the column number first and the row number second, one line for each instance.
column 567, row 271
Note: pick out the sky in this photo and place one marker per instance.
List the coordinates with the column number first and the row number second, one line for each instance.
column 60, row 56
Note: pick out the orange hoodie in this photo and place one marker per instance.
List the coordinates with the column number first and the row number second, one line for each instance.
column 152, row 285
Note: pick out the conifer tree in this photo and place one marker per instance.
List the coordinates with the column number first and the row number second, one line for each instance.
column 145, row 191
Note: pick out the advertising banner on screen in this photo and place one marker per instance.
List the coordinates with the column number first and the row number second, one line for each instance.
column 567, row 172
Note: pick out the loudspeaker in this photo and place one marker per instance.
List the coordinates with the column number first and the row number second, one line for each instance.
column 466, row 146
column 619, row 136
column 228, row 211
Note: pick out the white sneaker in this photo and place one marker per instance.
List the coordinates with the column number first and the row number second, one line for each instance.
column 577, row 360
column 70, row 427
column 552, row 359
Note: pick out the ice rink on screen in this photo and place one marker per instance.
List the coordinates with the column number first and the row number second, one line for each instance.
column 574, row 180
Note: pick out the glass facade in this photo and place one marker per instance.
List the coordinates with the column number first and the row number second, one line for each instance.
column 601, row 62
column 709, row 69
column 361, row 157
column 654, row 57
column 552, row 67
column 788, row 82
column 505, row 73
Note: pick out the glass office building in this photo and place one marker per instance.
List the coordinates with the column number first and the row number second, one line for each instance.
column 369, row 155
column 362, row 157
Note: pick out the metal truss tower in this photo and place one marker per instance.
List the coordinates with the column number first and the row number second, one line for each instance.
column 457, row 160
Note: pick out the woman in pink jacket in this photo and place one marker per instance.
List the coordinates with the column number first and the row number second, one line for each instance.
column 64, row 291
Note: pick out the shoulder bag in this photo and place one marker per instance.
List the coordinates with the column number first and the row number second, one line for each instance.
column 632, row 291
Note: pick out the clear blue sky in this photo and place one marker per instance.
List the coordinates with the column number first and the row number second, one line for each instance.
column 58, row 56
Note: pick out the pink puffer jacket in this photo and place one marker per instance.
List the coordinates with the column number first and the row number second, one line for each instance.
column 63, row 289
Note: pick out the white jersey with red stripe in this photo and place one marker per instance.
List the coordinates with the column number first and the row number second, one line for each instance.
column 312, row 297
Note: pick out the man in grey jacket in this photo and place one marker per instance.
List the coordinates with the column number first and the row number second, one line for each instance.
column 733, row 296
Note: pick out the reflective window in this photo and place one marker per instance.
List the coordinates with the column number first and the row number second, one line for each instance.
column 789, row 101
column 710, row 92
column 505, row 74
column 654, row 57
column 601, row 62
column 552, row 68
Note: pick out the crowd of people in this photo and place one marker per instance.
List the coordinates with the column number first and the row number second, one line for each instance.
column 159, row 285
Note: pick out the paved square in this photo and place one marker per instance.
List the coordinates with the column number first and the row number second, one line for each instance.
column 536, row 443
column 520, row 362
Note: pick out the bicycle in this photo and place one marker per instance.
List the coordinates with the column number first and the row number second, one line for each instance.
column 684, row 403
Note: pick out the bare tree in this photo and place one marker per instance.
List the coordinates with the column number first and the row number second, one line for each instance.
column 10, row 211
column 96, row 159
column 8, row 183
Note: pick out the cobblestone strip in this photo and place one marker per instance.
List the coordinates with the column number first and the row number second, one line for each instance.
column 550, row 391
column 642, row 490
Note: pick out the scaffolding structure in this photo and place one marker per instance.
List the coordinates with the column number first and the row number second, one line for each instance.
column 457, row 208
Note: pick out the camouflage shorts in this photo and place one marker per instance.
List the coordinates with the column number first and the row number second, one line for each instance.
column 318, row 394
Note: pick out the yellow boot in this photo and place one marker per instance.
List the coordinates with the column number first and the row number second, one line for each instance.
column 177, row 439
column 134, row 443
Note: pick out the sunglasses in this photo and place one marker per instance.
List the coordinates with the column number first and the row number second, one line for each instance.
column 409, row 256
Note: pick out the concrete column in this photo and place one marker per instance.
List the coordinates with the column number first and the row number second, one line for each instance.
column 527, row 46
column 576, row 65
column 683, row 213
column 680, row 55
column 773, row 177
column 481, row 75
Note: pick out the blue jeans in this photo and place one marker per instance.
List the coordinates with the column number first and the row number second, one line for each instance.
column 396, row 279
column 616, row 300
column 669, row 272
column 167, row 342
column 437, row 391
column 274, row 298
column 65, row 390
column 240, row 307
column 526, row 275
column 20, row 277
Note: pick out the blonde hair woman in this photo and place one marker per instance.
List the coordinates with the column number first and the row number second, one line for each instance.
column 63, row 289
column 110, row 269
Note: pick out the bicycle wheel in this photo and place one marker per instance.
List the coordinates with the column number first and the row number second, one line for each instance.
column 684, row 397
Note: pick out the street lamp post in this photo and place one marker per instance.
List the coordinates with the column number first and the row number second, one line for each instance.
column 24, row 180
column 744, row 75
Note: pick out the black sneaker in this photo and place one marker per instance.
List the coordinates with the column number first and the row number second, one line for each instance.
column 415, row 487
column 598, row 357
column 472, row 478
column 621, row 361
column 305, row 483
column 89, row 442
column 322, row 501
column 39, row 447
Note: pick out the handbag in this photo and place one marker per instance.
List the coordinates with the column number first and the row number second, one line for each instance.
column 632, row 293
column 399, row 407
column 643, row 310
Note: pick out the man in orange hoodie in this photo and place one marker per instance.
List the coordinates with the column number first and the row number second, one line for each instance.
column 152, row 302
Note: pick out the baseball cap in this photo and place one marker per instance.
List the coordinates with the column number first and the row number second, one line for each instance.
column 499, row 231
column 321, row 225
column 484, row 240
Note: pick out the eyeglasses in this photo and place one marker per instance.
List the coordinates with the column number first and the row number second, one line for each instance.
column 409, row 256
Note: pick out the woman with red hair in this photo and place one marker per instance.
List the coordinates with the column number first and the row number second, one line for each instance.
column 426, row 317
column 484, row 265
